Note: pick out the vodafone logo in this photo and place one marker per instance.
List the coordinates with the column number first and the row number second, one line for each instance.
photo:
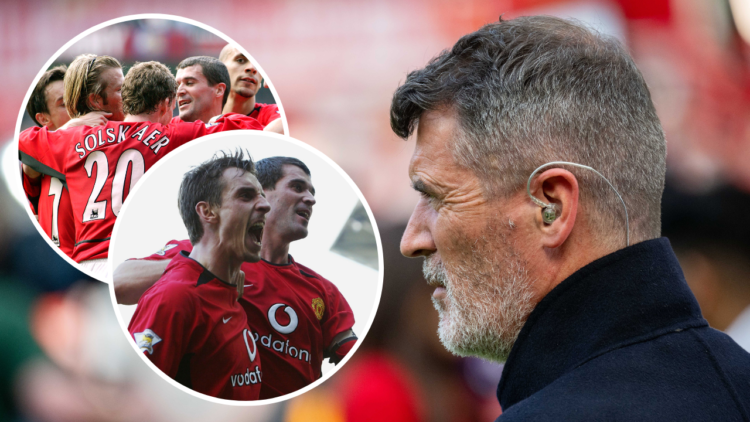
column 247, row 334
column 283, row 329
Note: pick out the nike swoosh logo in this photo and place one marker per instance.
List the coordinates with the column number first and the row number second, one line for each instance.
column 226, row 319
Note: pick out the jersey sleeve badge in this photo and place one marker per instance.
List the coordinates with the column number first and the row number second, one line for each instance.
column 319, row 307
column 164, row 250
column 146, row 340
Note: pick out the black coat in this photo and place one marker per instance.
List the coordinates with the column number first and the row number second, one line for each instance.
column 623, row 339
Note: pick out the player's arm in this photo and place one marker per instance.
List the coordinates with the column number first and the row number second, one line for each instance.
column 41, row 151
column 341, row 345
column 93, row 118
column 162, row 325
column 337, row 323
column 30, row 172
column 181, row 133
column 132, row 278
column 275, row 126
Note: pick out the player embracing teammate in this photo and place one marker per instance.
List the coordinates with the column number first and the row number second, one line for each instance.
column 99, row 165
column 189, row 323
column 300, row 317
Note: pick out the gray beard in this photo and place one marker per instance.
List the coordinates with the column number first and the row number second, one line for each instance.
column 487, row 300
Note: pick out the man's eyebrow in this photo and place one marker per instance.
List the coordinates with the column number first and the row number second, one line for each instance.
column 189, row 78
column 419, row 186
column 304, row 182
column 248, row 189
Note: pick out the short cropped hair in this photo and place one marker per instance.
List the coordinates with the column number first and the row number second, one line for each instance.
column 146, row 85
column 213, row 69
column 537, row 89
column 84, row 77
column 205, row 183
column 38, row 101
column 271, row 169
column 224, row 55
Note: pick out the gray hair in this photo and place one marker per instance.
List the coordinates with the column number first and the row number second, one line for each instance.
column 537, row 89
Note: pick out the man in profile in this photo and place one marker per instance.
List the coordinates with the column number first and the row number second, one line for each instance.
column 202, row 88
column 51, row 202
column 528, row 133
column 94, row 83
column 301, row 318
column 101, row 164
column 245, row 84
column 189, row 323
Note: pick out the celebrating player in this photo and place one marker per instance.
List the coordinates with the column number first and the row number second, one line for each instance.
column 301, row 317
column 101, row 164
column 189, row 323
column 246, row 82
column 47, row 107
column 51, row 202
column 94, row 83
column 202, row 88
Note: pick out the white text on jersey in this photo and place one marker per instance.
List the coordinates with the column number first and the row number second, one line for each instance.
column 93, row 141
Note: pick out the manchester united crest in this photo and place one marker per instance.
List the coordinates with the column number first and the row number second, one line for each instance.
column 319, row 307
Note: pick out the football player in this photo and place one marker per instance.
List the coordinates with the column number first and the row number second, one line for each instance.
column 301, row 317
column 100, row 165
column 245, row 83
column 47, row 108
column 189, row 323
column 202, row 88
column 51, row 202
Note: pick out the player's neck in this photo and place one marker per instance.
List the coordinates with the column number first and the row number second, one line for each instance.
column 239, row 104
column 213, row 259
column 274, row 250
column 151, row 117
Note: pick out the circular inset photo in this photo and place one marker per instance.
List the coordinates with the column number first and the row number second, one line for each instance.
column 246, row 267
column 114, row 101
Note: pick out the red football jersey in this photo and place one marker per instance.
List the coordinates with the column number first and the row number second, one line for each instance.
column 265, row 113
column 53, row 209
column 296, row 313
column 191, row 326
column 101, row 164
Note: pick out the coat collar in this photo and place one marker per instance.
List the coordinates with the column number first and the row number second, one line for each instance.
column 626, row 297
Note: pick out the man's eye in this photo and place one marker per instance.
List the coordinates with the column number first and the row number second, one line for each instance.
column 432, row 200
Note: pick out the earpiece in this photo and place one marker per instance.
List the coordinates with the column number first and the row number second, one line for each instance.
column 550, row 212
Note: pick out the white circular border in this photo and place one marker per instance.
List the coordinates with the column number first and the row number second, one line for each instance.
column 275, row 138
column 18, row 183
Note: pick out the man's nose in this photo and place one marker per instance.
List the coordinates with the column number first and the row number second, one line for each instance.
column 417, row 239
column 263, row 205
column 309, row 199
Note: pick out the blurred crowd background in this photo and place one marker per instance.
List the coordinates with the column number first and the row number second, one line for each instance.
column 335, row 65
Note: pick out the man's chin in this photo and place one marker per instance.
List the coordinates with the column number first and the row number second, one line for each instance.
column 465, row 341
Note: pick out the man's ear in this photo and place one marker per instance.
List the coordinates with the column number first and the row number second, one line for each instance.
column 96, row 102
column 42, row 118
column 166, row 106
column 558, row 187
column 206, row 212
column 220, row 88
